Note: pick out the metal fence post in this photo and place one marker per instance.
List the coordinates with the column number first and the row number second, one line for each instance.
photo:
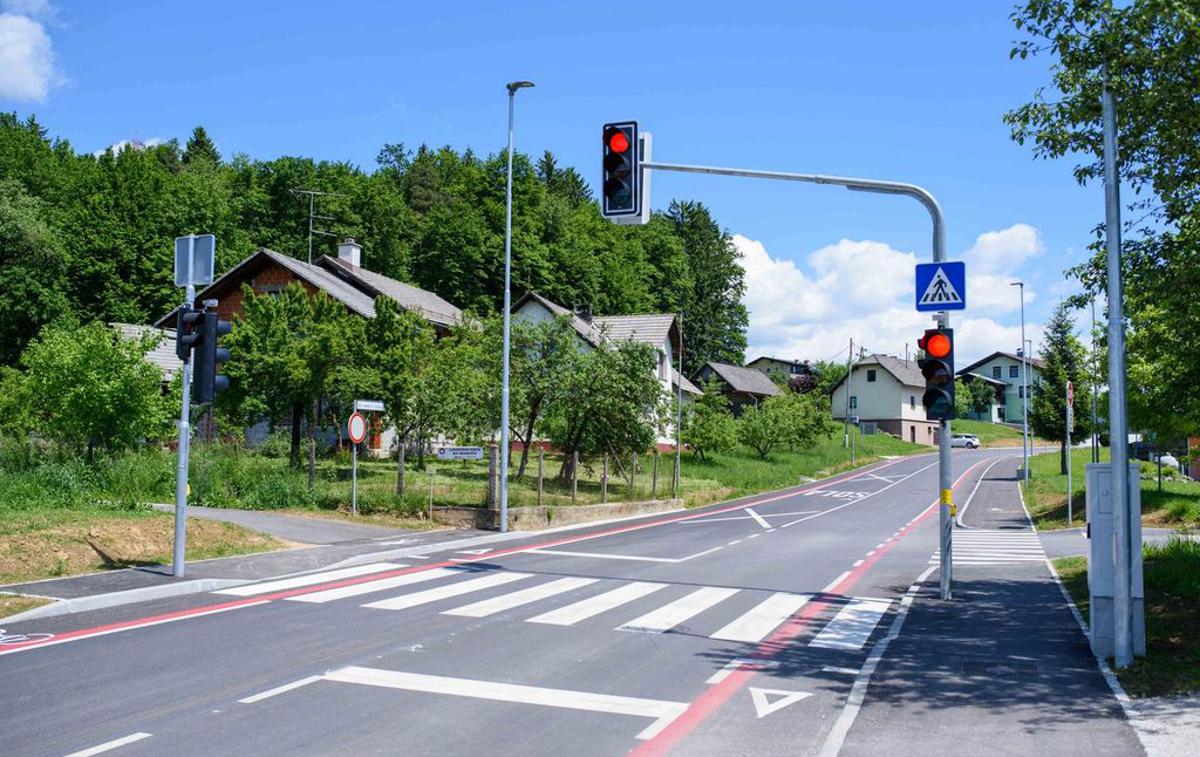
column 540, row 474
column 654, row 477
column 604, row 480
column 633, row 477
column 491, row 490
column 574, row 475
column 432, row 473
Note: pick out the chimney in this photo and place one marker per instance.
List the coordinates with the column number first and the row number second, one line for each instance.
column 350, row 252
column 584, row 312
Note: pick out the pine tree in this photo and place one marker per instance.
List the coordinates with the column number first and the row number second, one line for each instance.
column 1064, row 360
column 200, row 148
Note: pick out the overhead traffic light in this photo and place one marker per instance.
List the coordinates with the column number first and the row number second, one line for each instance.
column 938, row 369
column 187, row 331
column 206, row 382
column 621, row 191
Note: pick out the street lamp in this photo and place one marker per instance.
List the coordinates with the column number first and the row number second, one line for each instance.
column 512, row 88
column 1024, row 386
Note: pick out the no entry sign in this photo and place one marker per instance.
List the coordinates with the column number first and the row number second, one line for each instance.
column 357, row 426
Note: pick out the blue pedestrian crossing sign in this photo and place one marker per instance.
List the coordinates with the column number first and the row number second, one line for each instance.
column 941, row 286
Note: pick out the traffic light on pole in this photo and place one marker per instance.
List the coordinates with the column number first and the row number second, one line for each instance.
column 209, row 355
column 621, row 191
column 187, row 331
column 938, row 369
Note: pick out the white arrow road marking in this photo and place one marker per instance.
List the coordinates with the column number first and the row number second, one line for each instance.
column 763, row 706
column 475, row 551
column 663, row 712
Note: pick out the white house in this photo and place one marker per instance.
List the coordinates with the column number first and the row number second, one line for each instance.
column 659, row 330
column 887, row 391
column 1003, row 369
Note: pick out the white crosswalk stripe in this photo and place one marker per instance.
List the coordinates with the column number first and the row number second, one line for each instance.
column 405, row 601
column 308, row 579
column 763, row 618
column 367, row 587
column 668, row 616
column 994, row 547
column 504, row 602
column 592, row 606
column 853, row 624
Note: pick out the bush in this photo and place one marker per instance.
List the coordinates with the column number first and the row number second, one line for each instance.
column 222, row 477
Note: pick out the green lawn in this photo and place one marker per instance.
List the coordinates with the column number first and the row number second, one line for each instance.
column 1172, row 583
column 1177, row 505
column 990, row 434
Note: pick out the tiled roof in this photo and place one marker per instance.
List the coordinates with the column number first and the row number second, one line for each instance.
column 337, row 288
column 424, row 303
column 1035, row 362
column 746, row 380
column 162, row 354
column 688, row 386
column 651, row 329
column 905, row 371
column 583, row 328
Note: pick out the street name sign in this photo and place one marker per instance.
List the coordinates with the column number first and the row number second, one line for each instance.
column 460, row 453
column 941, row 286
column 370, row 406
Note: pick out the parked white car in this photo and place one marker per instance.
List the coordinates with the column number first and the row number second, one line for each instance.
column 970, row 441
column 1169, row 461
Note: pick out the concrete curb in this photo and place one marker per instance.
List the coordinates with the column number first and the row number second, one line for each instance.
column 127, row 597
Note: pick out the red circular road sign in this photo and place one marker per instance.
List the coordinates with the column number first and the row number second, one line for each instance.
column 357, row 426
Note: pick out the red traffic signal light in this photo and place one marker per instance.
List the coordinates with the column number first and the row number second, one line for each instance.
column 938, row 369
column 937, row 344
column 620, row 188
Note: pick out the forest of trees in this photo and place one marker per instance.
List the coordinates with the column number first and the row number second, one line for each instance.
column 91, row 234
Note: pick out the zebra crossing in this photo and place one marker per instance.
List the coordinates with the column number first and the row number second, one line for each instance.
column 994, row 547
column 721, row 613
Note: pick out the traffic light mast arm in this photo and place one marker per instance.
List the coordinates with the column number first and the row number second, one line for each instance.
column 920, row 194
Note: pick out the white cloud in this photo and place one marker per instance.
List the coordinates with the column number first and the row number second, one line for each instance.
column 27, row 70
column 136, row 144
column 863, row 289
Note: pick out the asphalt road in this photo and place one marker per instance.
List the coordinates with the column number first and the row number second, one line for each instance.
column 735, row 629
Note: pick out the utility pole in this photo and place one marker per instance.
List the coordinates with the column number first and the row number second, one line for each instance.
column 1026, row 442
column 1118, row 427
column 849, row 375
column 1095, row 386
column 679, row 415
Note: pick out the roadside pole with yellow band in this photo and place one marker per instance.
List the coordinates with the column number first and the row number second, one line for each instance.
column 948, row 499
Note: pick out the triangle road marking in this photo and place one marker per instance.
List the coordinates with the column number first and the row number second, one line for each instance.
column 763, row 705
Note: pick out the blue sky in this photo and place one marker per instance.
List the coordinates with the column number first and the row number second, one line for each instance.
column 908, row 91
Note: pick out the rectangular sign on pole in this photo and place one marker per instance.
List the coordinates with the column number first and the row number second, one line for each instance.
column 195, row 259
column 460, row 453
column 941, row 286
column 369, row 406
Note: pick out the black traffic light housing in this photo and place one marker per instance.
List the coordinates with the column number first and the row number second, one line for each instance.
column 938, row 369
column 206, row 381
column 621, row 173
column 187, row 331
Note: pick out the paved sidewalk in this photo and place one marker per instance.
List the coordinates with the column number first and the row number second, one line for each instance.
column 295, row 528
column 1003, row 668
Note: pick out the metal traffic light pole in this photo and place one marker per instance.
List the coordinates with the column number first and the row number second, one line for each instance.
column 924, row 197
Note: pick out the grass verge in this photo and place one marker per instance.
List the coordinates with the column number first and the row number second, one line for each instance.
column 12, row 604
column 47, row 544
column 1172, row 582
column 1177, row 505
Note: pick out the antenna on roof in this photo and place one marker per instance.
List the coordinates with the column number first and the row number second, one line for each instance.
column 312, row 195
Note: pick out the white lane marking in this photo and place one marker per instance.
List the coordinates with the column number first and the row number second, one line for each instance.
column 367, row 587
column 853, row 625
column 832, row 584
column 836, row 737
column 587, row 608
column 858, row 499
column 601, row 555
column 763, row 618
column 308, row 580
column 763, row 706
column 279, row 690
column 456, row 589
column 503, row 602
column 109, row 745
column 107, row 631
column 746, row 517
column 962, row 513
column 836, row 669
column 857, row 563
column 670, row 615
column 757, row 518
column 663, row 712
column 732, row 665
column 733, row 543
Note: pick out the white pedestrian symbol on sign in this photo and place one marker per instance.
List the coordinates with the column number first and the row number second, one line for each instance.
column 940, row 291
